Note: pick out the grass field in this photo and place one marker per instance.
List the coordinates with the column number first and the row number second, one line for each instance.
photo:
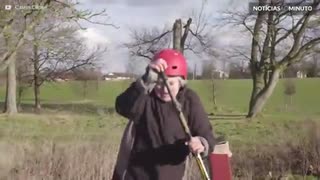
column 232, row 95
column 67, row 123
column 232, row 100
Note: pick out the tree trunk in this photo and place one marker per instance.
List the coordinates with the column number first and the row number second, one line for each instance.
column 213, row 90
column 20, row 92
column 177, row 35
column 194, row 72
column 10, row 102
column 214, row 94
column 36, row 76
column 20, row 88
column 260, row 96
column 85, row 88
column 258, row 84
column 37, row 98
column 185, row 34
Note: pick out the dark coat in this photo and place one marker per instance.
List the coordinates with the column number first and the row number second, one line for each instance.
column 153, row 145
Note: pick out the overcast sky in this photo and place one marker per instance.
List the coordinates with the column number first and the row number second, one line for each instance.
column 145, row 13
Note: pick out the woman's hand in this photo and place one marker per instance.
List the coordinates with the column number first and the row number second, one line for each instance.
column 158, row 65
column 195, row 145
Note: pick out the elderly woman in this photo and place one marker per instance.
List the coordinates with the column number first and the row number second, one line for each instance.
column 154, row 145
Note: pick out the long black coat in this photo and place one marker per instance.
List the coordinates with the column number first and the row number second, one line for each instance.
column 153, row 145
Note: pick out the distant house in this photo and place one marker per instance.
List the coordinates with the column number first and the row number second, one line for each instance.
column 301, row 74
column 65, row 76
column 293, row 72
column 219, row 74
column 114, row 76
column 59, row 80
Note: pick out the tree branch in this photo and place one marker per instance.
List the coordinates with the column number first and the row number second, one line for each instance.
column 152, row 40
column 255, row 47
column 186, row 31
column 200, row 39
column 266, row 44
column 305, row 49
column 303, row 21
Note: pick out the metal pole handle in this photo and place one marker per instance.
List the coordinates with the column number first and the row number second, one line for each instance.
column 177, row 105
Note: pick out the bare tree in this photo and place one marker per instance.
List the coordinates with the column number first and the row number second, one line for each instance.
column 10, row 106
column 58, row 52
column 89, row 78
column 24, row 23
column 148, row 41
column 312, row 66
column 208, row 73
column 24, row 72
column 289, row 91
column 135, row 64
column 207, row 68
column 279, row 39
column 13, row 29
column 239, row 71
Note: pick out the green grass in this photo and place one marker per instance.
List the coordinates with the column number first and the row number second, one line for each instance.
column 232, row 95
column 69, row 121
column 70, row 127
column 61, row 127
column 232, row 98
column 72, row 92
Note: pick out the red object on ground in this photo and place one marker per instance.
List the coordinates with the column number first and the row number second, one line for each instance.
column 220, row 167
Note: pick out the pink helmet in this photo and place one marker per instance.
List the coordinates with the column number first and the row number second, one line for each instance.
column 177, row 64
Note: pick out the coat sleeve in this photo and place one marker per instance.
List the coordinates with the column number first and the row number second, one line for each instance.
column 199, row 123
column 131, row 102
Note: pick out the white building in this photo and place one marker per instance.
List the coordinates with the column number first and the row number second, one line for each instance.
column 220, row 74
column 117, row 76
column 301, row 74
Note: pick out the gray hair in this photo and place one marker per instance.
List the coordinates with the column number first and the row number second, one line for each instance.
column 183, row 82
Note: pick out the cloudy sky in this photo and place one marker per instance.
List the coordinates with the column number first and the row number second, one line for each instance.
column 128, row 14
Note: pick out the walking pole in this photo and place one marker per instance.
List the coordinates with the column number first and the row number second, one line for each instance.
column 177, row 105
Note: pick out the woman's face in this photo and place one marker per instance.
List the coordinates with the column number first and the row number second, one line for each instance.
column 162, row 92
